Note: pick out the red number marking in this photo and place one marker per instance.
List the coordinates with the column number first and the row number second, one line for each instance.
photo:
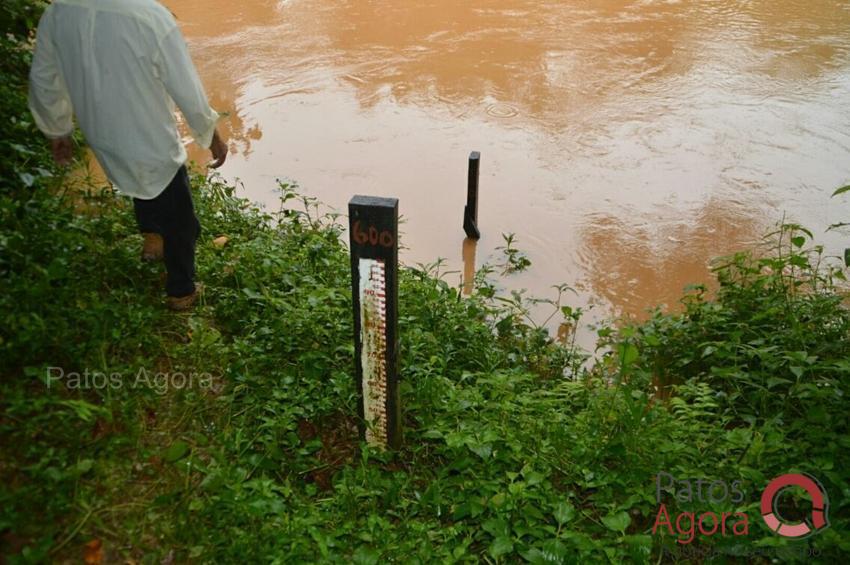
column 372, row 236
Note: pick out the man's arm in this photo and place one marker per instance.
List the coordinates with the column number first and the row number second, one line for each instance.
column 181, row 80
column 49, row 101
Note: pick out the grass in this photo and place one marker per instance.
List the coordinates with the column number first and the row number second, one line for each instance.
column 515, row 449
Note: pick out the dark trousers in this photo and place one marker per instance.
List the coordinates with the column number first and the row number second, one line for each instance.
column 172, row 215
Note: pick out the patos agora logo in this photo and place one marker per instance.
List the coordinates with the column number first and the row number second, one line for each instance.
column 687, row 526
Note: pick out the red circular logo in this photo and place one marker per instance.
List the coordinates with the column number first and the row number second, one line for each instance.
column 820, row 505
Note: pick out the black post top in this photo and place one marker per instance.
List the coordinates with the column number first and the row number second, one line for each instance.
column 379, row 201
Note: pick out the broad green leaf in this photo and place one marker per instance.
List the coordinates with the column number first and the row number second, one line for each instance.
column 628, row 354
column 555, row 550
column 501, row 546
column 483, row 451
column 496, row 527
column 176, row 451
column 799, row 261
column 251, row 294
column 498, row 500
column 533, row 477
column 775, row 381
column 84, row 466
column 535, row 557
column 617, row 522
column 21, row 149
column 365, row 556
column 564, row 512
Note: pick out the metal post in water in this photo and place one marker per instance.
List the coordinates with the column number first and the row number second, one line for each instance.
column 470, row 212
column 373, row 229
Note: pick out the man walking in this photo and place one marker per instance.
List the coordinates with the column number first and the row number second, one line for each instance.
column 119, row 66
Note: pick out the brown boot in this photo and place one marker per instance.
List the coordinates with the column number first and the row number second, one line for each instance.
column 183, row 303
column 152, row 247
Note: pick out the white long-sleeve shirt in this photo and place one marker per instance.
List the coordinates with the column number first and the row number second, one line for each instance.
column 119, row 66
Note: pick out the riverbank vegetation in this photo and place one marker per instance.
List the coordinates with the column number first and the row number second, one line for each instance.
column 129, row 434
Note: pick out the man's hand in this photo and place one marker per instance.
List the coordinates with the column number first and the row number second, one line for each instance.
column 219, row 151
column 63, row 150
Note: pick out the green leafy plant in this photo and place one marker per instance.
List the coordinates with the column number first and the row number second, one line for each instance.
column 517, row 448
column 515, row 261
column 841, row 225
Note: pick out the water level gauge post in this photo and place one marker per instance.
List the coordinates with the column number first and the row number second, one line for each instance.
column 470, row 211
column 373, row 237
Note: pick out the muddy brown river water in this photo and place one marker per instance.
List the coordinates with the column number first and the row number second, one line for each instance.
column 625, row 142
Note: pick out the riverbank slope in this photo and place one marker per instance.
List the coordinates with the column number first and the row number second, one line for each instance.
column 132, row 434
